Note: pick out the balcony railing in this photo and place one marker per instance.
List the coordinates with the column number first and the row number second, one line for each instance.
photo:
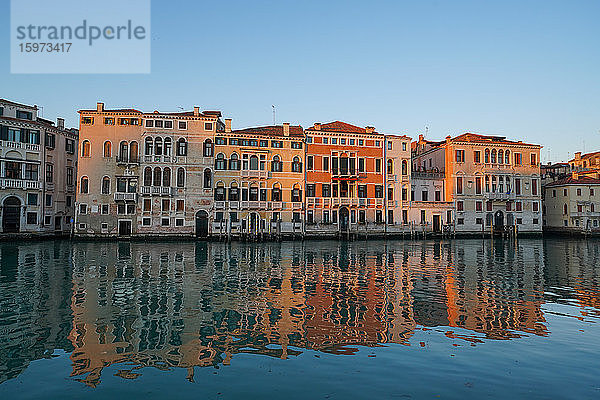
column 125, row 196
column 7, row 183
column 160, row 159
column 19, row 145
column 254, row 174
column 428, row 174
column 157, row 190
column 127, row 160
column 500, row 196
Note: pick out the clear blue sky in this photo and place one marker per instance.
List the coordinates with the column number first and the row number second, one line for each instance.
column 528, row 70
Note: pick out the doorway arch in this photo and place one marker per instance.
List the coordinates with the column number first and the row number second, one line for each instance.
column 201, row 224
column 499, row 219
column 11, row 215
column 344, row 219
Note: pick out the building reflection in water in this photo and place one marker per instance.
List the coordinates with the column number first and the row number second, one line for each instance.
column 189, row 305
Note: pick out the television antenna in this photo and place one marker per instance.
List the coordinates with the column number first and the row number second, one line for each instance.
column 273, row 114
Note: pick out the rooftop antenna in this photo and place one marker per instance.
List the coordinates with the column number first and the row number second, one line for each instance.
column 273, row 114
column 426, row 131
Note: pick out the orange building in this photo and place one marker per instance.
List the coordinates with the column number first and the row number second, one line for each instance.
column 344, row 179
column 259, row 181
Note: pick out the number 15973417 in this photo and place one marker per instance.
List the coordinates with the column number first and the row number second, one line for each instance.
column 45, row 47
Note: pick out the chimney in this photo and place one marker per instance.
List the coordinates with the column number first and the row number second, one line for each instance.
column 196, row 111
column 99, row 107
column 448, row 138
column 286, row 129
column 369, row 129
column 227, row 125
column 578, row 155
column 317, row 126
column 421, row 137
column 60, row 123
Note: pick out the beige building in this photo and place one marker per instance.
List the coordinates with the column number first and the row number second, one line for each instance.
column 572, row 204
column 38, row 169
column 493, row 182
column 145, row 174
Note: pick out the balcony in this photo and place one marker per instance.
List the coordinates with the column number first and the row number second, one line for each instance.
column 19, row 145
column 277, row 205
column 392, row 177
column 219, row 205
column 254, row 174
column 428, row 175
column 296, row 205
column 125, row 160
column 160, row 159
column 158, row 190
column 6, row 183
column 344, row 175
column 500, row 196
column 125, row 196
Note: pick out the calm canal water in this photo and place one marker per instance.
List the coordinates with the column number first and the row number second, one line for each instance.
column 452, row 320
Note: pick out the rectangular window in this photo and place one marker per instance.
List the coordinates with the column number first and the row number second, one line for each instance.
column 87, row 120
column 518, row 206
column 49, row 173
column 31, row 172
column 459, row 205
column 146, row 221
column 32, row 199
column 296, row 217
column 460, row 156
column 105, row 209
column 378, row 191
column 478, row 185
column 70, row 146
column 296, row 145
column 404, row 194
column 31, row 218
column 168, row 124
column 361, row 165
column 378, row 217
column 208, row 126
column 423, row 217
column 309, row 217
column 518, row 159
column 325, row 163
column 149, row 123
column 310, row 190
column 362, row 217
column 50, row 140
column 326, row 217
column 533, row 159
column 180, row 206
column 111, row 121
column 147, row 205
column 179, row 221
column 309, row 163
column 233, row 216
column 518, row 186
column 165, row 221
column 362, row 191
column 578, row 191
column 425, row 195
column 182, row 125
column 477, row 156
column 326, row 190
column 479, row 221
column 535, row 206
column 166, row 205
column 378, row 165
column 478, row 206
column 390, row 193
column 83, row 209
column 534, row 187
column 459, row 185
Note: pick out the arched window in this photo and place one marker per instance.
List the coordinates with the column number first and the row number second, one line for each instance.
column 167, row 146
column 180, row 177
column 181, row 147
column 220, row 162
column 157, row 176
column 123, row 150
column 208, row 148
column 220, row 192
column 296, row 194
column 166, row 177
column 85, row 187
column 253, row 193
column 253, row 163
column 296, row 165
column 390, row 167
column 133, row 152
column 404, row 167
column 507, row 157
column 276, row 192
column 234, row 192
column 158, row 146
column 207, row 178
column 147, row 176
column 276, row 165
column 500, row 156
column 106, row 185
column 486, row 156
column 107, row 149
column 493, row 156
column 149, row 147
column 86, row 148
column 234, row 162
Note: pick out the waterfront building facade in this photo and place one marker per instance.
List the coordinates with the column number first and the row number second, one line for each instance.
column 259, row 181
column 145, row 174
column 38, row 169
column 345, row 180
column 572, row 204
column 494, row 183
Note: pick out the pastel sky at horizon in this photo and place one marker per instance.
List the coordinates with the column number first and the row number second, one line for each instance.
column 527, row 70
